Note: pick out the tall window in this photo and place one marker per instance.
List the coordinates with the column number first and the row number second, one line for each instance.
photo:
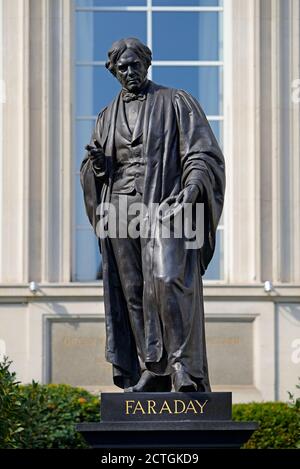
column 186, row 38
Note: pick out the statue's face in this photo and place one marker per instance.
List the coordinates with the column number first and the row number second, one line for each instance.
column 131, row 71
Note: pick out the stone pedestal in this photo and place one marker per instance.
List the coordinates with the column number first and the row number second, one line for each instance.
column 166, row 420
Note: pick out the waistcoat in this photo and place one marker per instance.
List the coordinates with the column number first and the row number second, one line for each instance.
column 129, row 167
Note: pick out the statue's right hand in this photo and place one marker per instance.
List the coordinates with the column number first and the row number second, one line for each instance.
column 95, row 152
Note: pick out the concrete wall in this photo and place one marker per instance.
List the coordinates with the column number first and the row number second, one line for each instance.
column 58, row 335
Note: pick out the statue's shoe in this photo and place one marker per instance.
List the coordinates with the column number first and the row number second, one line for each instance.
column 182, row 382
column 149, row 382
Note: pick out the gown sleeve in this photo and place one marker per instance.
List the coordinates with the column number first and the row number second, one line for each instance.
column 93, row 174
column 202, row 163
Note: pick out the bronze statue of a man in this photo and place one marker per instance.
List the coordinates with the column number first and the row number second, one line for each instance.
column 153, row 145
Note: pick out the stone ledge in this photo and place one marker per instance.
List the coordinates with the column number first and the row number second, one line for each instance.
column 162, row 434
column 213, row 291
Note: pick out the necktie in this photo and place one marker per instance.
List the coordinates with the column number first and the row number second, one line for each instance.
column 127, row 96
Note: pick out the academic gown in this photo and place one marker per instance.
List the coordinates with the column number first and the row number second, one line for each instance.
column 179, row 148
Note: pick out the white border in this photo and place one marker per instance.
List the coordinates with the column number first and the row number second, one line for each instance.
column 2, row 93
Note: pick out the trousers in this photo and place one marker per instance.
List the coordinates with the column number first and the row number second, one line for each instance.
column 128, row 255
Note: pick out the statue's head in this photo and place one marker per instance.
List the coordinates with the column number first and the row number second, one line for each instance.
column 129, row 60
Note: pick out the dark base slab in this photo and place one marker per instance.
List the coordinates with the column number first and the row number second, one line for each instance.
column 184, row 434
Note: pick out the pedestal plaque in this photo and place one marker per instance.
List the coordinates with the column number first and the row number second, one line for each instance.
column 165, row 406
column 166, row 420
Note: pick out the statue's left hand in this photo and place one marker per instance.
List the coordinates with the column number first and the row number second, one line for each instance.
column 189, row 194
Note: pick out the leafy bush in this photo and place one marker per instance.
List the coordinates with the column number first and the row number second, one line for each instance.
column 42, row 416
column 51, row 413
column 10, row 407
column 279, row 424
column 295, row 401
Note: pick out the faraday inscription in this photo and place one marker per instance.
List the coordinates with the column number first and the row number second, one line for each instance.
column 165, row 406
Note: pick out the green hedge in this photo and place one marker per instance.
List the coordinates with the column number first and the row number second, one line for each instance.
column 44, row 416
column 50, row 413
column 10, row 407
column 279, row 424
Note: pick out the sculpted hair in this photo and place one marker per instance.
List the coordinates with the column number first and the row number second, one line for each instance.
column 118, row 47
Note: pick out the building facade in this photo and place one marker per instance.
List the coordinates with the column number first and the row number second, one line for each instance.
column 241, row 59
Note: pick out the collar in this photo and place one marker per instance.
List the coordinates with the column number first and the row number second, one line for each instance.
column 127, row 96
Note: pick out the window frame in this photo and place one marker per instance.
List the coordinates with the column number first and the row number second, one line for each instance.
column 149, row 9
